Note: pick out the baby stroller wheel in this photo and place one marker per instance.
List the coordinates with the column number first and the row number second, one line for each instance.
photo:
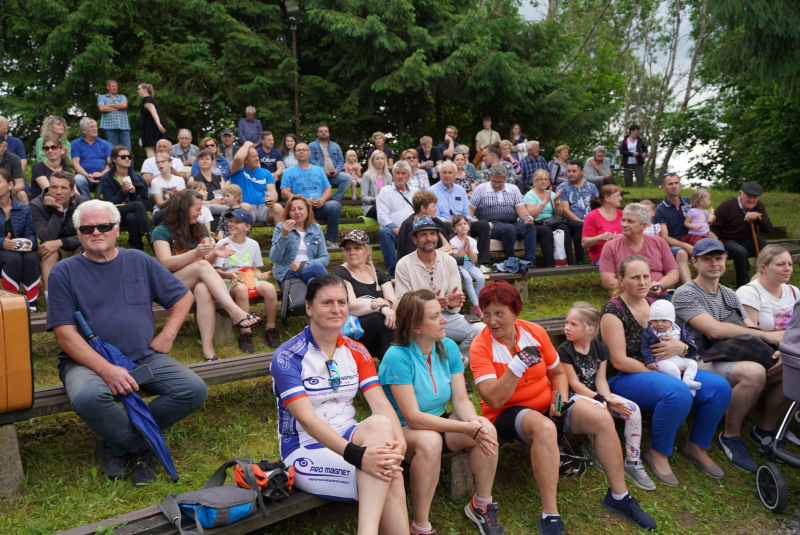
column 772, row 488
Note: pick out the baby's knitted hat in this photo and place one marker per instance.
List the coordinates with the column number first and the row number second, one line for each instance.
column 662, row 310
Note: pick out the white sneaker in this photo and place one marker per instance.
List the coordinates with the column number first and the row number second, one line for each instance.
column 486, row 269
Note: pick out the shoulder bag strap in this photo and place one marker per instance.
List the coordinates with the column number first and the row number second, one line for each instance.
column 173, row 512
column 404, row 198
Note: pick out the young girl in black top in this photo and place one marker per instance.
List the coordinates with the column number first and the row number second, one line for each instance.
column 585, row 359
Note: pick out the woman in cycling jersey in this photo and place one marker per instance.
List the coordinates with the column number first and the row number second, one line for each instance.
column 316, row 376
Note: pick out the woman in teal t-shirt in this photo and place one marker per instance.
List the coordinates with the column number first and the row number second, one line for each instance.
column 183, row 246
column 420, row 373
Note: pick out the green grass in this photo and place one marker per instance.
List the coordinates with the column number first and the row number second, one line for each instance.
column 65, row 486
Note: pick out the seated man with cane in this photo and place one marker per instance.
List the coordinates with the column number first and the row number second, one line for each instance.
column 115, row 289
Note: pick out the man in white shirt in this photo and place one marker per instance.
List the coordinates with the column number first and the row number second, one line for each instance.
column 394, row 205
column 150, row 168
column 501, row 204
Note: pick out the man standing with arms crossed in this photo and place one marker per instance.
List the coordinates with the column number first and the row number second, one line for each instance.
column 114, row 118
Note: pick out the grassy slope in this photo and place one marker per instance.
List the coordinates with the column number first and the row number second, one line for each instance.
column 65, row 486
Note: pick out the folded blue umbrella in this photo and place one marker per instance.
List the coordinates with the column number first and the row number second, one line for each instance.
column 138, row 411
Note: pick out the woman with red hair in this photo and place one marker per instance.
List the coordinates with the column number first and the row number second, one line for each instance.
column 514, row 365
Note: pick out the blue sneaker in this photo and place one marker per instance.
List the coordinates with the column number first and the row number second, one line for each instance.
column 764, row 439
column 629, row 508
column 736, row 450
column 551, row 525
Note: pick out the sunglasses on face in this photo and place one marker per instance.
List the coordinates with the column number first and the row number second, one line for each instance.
column 162, row 161
column 50, row 147
column 124, row 156
column 209, row 145
column 333, row 372
column 102, row 227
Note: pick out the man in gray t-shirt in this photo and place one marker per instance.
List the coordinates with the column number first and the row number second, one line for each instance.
column 704, row 305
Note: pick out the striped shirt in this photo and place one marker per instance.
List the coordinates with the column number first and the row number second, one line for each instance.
column 113, row 120
column 491, row 205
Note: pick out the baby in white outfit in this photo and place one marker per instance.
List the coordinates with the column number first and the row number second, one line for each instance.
column 662, row 325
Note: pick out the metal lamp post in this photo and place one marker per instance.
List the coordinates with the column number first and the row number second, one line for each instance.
column 292, row 19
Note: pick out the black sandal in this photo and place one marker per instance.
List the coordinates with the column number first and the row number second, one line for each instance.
column 246, row 318
column 212, row 359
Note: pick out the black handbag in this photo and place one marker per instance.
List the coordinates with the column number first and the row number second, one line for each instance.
column 744, row 347
column 551, row 222
column 293, row 297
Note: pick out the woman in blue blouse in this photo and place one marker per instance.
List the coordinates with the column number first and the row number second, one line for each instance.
column 19, row 264
column 420, row 374
column 543, row 206
column 298, row 239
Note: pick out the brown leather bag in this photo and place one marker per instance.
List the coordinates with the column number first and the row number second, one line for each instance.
column 16, row 357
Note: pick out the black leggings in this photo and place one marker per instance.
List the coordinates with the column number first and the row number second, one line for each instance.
column 134, row 217
column 546, row 241
column 377, row 336
column 20, row 273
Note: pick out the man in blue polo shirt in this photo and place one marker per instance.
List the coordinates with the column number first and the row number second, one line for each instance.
column 671, row 215
column 312, row 183
column 452, row 200
column 14, row 144
column 269, row 157
column 90, row 157
column 258, row 186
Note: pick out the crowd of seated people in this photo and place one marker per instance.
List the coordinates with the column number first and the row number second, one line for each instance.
column 437, row 213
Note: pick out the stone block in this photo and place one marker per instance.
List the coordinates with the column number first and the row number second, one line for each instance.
column 11, row 473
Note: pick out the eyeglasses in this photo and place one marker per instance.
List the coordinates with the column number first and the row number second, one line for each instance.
column 411, row 158
column 333, row 372
column 124, row 156
column 209, row 145
column 50, row 147
column 102, row 227
column 162, row 161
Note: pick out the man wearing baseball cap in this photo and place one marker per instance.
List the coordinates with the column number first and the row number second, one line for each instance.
column 708, row 309
column 429, row 269
column 228, row 148
column 732, row 225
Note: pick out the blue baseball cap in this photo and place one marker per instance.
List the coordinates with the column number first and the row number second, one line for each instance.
column 423, row 223
column 240, row 214
column 708, row 245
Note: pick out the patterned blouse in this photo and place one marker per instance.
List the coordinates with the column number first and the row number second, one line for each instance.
column 465, row 182
column 633, row 330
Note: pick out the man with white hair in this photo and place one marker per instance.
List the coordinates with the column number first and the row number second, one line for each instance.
column 150, row 167
column 394, row 205
column 184, row 150
column 114, row 118
column 14, row 144
column 90, row 157
column 250, row 127
column 114, row 289
column 663, row 268
column 597, row 169
column 452, row 200
column 532, row 163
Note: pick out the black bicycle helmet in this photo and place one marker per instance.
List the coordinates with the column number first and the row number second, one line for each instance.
column 573, row 463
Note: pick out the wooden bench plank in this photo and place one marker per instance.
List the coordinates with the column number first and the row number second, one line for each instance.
column 151, row 521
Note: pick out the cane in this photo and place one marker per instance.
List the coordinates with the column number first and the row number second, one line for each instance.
column 755, row 240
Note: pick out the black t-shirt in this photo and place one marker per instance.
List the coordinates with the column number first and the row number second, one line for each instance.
column 212, row 186
column 359, row 288
column 40, row 169
column 586, row 366
column 435, row 156
column 8, row 228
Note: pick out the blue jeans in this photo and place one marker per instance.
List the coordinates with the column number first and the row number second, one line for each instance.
column 118, row 137
column 469, row 273
column 310, row 271
column 82, row 184
column 331, row 212
column 180, row 392
column 509, row 233
column 388, row 242
column 342, row 183
column 670, row 400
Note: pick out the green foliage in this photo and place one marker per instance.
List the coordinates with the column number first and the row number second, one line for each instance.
column 398, row 66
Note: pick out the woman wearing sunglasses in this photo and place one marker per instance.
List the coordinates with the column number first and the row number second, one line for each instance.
column 183, row 246
column 420, row 374
column 316, row 375
column 125, row 188
column 55, row 160
column 220, row 167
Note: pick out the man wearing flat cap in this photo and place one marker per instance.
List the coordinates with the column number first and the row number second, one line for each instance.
column 732, row 225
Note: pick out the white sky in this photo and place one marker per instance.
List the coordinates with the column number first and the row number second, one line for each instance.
column 534, row 10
